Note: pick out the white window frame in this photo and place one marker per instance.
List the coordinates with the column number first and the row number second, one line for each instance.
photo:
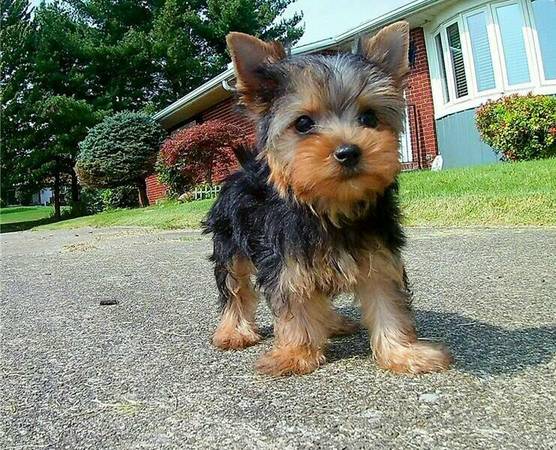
column 448, row 61
column 530, row 19
column 493, row 46
column 533, row 81
column 459, row 13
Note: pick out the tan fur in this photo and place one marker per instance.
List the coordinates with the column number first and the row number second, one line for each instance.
column 340, row 325
column 248, row 53
column 317, row 179
column 389, row 47
column 331, row 272
column 278, row 176
column 237, row 327
column 290, row 360
column 308, row 319
column 390, row 321
column 316, row 175
column 301, row 331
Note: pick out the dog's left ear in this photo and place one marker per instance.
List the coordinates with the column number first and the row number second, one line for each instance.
column 389, row 48
column 249, row 55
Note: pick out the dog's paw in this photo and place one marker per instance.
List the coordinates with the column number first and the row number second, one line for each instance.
column 415, row 358
column 290, row 360
column 342, row 326
column 234, row 339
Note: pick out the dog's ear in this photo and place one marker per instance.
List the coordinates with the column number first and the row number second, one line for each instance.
column 389, row 48
column 249, row 55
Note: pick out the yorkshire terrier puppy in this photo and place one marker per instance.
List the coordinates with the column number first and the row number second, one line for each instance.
column 313, row 211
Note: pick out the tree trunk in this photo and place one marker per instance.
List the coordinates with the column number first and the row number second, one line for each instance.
column 142, row 188
column 57, row 213
column 74, row 187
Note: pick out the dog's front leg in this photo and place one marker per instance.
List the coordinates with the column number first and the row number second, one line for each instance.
column 387, row 314
column 301, row 329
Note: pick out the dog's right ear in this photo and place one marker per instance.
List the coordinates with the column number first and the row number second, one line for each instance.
column 389, row 48
column 249, row 55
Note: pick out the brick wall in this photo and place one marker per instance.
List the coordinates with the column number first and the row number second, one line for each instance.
column 226, row 111
column 155, row 190
column 421, row 107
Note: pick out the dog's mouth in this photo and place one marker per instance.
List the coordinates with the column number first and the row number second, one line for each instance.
column 349, row 173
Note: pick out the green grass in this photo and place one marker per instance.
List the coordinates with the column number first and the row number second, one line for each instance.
column 168, row 216
column 17, row 218
column 521, row 193
column 13, row 214
column 501, row 194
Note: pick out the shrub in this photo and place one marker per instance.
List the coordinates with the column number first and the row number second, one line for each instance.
column 119, row 197
column 519, row 127
column 120, row 151
column 198, row 154
column 90, row 202
column 95, row 200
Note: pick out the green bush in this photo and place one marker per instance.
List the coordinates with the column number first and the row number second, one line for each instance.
column 519, row 127
column 95, row 200
column 119, row 197
column 120, row 151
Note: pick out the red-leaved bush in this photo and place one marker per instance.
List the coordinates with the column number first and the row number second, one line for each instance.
column 199, row 154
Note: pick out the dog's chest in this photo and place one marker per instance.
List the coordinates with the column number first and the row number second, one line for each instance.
column 330, row 272
column 337, row 271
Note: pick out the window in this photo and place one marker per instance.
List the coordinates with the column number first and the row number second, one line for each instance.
column 492, row 48
column 544, row 13
column 456, row 56
column 480, row 47
column 510, row 24
column 442, row 68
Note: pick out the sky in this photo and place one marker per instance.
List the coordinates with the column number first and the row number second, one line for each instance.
column 328, row 18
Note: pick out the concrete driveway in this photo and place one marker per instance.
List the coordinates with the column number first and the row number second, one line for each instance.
column 141, row 374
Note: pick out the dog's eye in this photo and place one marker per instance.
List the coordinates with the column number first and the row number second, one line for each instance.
column 368, row 119
column 304, row 124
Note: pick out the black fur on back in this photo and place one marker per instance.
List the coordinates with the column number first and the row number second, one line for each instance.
column 250, row 219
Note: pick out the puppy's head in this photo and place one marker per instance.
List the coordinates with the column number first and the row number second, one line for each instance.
column 328, row 124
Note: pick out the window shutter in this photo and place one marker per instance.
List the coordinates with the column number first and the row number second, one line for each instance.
column 442, row 67
column 480, row 47
column 458, row 67
column 510, row 23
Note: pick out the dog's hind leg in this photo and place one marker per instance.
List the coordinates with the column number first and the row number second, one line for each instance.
column 237, row 328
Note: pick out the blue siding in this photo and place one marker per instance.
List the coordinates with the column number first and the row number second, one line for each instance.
column 459, row 142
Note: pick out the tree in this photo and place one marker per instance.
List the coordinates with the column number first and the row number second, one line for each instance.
column 113, row 55
column 158, row 50
column 119, row 151
column 189, row 38
column 198, row 154
column 64, row 123
column 16, row 33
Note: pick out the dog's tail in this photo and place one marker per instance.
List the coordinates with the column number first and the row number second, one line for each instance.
column 245, row 156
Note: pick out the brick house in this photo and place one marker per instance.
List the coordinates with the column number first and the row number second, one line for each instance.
column 462, row 53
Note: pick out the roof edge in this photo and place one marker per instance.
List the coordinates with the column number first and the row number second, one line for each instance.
column 315, row 46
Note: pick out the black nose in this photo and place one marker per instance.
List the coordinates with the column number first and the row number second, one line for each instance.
column 348, row 155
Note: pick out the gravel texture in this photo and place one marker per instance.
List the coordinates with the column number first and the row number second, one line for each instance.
column 138, row 372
